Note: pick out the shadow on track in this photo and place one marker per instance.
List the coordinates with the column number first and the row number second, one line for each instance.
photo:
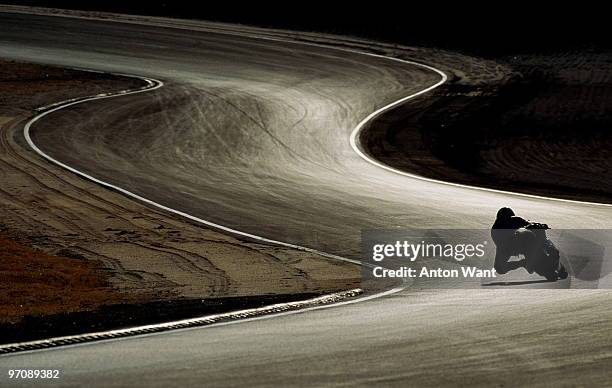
column 516, row 283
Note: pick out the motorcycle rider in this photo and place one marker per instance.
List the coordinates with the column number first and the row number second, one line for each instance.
column 511, row 238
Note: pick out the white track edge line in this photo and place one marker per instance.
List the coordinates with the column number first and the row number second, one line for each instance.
column 210, row 320
column 153, row 84
column 355, row 144
column 110, row 336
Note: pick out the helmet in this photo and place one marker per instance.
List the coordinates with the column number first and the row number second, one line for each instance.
column 505, row 213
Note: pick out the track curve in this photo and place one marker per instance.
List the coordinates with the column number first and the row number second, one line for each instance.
column 253, row 134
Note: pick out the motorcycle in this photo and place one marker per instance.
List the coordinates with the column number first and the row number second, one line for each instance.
column 543, row 257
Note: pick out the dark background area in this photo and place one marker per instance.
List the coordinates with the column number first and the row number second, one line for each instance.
column 486, row 29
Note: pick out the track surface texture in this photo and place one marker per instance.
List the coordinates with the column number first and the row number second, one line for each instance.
column 254, row 134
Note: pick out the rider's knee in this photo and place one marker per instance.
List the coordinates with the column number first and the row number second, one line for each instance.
column 524, row 238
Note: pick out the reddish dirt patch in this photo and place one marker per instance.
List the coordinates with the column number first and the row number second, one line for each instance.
column 25, row 86
column 35, row 283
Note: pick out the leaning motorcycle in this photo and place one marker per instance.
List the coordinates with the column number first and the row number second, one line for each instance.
column 543, row 256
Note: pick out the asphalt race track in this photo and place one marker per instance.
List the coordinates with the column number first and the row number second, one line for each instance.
column 254, row 134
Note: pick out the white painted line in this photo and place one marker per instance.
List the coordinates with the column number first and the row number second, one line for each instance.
column 205, row 322
column 208, row 320
column 153, row 84
column 355, row 144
